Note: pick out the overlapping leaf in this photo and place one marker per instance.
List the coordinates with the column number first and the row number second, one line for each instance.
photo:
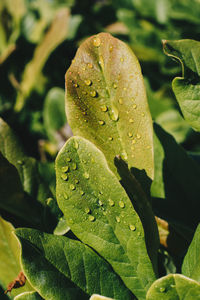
column 100, row 213
column 187, row 87
column 174, row 286
column 60, row 267
column 106, row 102
column 10, row 257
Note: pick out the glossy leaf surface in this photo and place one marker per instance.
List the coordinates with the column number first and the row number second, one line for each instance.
column 60, row 265
column 106, row 102
column 100, row 213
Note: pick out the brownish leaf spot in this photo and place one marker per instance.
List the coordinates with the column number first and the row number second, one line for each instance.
column 19, row 281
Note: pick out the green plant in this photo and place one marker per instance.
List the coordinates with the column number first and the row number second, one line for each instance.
column 112, row 177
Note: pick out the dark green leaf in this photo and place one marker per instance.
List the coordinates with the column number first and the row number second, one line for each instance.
column 176, row 185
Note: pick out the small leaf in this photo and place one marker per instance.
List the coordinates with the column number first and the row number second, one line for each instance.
column 174, row 286
column 106, row 102
column 100, row 213
column 29, row 296
column 10, row 257
column 187, row 87
column 54, row 114
column 191, row 263
column 56, row 262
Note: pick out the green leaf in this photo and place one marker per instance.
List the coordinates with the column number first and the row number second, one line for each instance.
column 191, row 263
column 28, row 296
column 27, row 167
column 13, row 198
column 100, row 213
column 176, row 183
column 10, row 257
column 56, row 262
column 174, row 286
column 187, row 87
column 56, row 34
column 31, row 182
column 106, row 102
column 54, row 114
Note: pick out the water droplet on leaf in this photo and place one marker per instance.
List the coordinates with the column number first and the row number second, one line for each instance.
column 111, row 202
column 121, row 204
column 96, row 42
column 104, row 108
column 93, row 94
column 65, row 169
column 132, row 227
column 87, row 210
column 118, row 219
column 74, row 166
column 64, row 176
column 72, row 187
column 101, row 122
column 134, row 106
column 88, row 82
column 162, row 289
column 91, row 218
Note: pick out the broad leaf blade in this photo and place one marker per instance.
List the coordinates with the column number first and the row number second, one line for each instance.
column 69, row 260
column 100, row 213
column 10, row 257
column 191, row 263
column 174, row 286
column 187, row 87
column 106, row 102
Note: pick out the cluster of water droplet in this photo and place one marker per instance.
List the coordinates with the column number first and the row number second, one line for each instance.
column 103, row 206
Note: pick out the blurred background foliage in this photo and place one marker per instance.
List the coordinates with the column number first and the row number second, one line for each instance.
column 39, row 38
